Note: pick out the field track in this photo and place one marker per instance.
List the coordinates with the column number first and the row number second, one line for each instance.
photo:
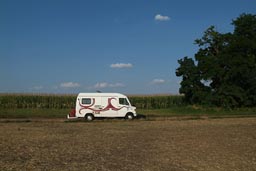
column 171, row 144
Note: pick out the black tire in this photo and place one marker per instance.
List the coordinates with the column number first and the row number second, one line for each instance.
column 129, row 116
column 89, row 117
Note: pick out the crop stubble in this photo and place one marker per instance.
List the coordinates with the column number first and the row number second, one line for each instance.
column 214, row 144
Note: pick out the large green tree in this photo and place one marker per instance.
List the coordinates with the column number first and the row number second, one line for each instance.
column 224, row 70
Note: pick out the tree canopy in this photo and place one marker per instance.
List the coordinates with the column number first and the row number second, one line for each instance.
column 223, row 71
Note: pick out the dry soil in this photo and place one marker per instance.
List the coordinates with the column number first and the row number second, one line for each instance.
column 192, row 145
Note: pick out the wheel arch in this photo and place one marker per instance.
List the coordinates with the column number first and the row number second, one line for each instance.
column 129, row 114
column 89, row 114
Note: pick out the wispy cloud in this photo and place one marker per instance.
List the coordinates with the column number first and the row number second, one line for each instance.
column 158, row 81
column 69, row 85
column 160, row 17
column 108, row 85
column 101, row 85
column 121, row 65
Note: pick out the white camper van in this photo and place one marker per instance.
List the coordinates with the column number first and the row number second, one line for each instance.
column 92, row 105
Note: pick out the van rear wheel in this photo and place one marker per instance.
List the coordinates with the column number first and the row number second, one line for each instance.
column 89, row 117
column 129, row 116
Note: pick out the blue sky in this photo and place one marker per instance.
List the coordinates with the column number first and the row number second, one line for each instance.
column 126, row 46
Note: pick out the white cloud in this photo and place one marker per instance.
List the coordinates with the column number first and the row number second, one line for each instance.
column 160, row 17
column 116, row 85
column 69, row 85
column 101, row 85
column 107, row 85
column 158, row 81
column 121, row 65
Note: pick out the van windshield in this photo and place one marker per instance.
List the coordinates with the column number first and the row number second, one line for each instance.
column 123, row 101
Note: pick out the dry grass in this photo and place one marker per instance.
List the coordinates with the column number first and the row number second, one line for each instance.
column 215, row 144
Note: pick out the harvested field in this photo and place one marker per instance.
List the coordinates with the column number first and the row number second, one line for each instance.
column 192, row 145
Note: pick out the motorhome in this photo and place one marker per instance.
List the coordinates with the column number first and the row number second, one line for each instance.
column 93, row 105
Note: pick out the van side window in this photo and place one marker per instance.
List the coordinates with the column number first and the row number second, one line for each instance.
column 86, row 101
column 123, row 101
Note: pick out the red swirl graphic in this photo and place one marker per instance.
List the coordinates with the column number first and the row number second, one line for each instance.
column 108, row 107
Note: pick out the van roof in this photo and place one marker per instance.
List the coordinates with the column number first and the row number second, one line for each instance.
column 100, row 94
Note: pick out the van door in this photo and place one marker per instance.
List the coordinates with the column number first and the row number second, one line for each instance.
column 109, row 106
column 123, row 106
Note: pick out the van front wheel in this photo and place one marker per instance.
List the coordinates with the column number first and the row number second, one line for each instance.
column 89, row 117
column 129, row 116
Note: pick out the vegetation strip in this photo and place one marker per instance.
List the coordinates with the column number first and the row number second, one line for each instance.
column 149, row 118
column 27, row 106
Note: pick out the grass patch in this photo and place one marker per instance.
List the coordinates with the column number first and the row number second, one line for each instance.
column 170, row 112
column 195, row 111
column 33, row 113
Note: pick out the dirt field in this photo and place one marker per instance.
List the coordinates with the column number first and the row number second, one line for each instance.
column 167, row 145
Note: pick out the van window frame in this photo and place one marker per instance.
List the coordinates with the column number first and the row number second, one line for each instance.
column 126, row 102
column 85, row 101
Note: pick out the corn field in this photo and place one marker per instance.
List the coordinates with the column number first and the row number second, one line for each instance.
column 156, row 102
column 45, row 101
column 37, row 101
